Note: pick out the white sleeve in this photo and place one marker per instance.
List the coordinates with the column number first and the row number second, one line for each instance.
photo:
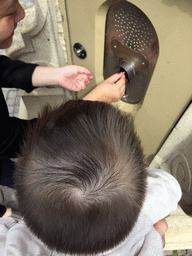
column 5, row 225
column 17, row 239
column 163, row 194
column 153, row 244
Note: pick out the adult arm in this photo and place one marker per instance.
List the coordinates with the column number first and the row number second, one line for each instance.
column 16, row 74
column 72, row 77
column 110, row 90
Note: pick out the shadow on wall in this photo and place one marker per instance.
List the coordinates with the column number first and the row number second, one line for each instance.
column 183, row 5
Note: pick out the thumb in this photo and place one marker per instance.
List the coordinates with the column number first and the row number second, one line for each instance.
column 114, row 78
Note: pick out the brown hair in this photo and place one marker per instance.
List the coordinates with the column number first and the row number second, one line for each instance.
column 80, row 178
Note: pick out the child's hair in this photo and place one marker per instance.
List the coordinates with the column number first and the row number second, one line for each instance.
column 81, row 179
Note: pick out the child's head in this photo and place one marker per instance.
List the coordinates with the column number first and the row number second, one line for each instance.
column 11, row 12
column 81, row 178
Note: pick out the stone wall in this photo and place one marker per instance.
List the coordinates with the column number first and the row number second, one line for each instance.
column 39, row 38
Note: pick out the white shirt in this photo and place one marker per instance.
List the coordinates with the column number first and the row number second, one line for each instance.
column 163, row 195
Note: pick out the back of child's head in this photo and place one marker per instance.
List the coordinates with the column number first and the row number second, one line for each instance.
column 80, row 178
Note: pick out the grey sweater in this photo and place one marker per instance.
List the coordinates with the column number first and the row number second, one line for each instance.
column 163, row 195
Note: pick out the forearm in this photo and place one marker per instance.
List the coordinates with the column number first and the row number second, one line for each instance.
column 44, row 76
column 110, row 90
column 98, row 95
column 93, row 96
column 72, row 77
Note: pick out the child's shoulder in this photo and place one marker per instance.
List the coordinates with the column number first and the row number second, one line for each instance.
column 163, row 194
column 161, row 180
column 161, row 175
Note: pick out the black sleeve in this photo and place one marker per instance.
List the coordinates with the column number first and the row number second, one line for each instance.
column 16, row 74
column 13, row 130
column 13, row 74
column 13, row 133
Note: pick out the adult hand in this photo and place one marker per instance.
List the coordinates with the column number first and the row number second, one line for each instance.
column 74, row 78
column 110, row 90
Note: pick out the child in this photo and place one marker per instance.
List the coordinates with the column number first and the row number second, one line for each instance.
column 83, row 187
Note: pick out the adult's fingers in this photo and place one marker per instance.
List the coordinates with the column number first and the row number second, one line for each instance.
column 114, row 78
column 80, row 85
column 121, row 81
column 85, row 78
column 83, row 70
column 121, row 85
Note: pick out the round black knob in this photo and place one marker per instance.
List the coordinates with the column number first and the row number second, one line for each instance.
column 79, row 51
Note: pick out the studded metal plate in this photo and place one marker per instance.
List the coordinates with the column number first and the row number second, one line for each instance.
column 131, row 30
column 134, row 29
